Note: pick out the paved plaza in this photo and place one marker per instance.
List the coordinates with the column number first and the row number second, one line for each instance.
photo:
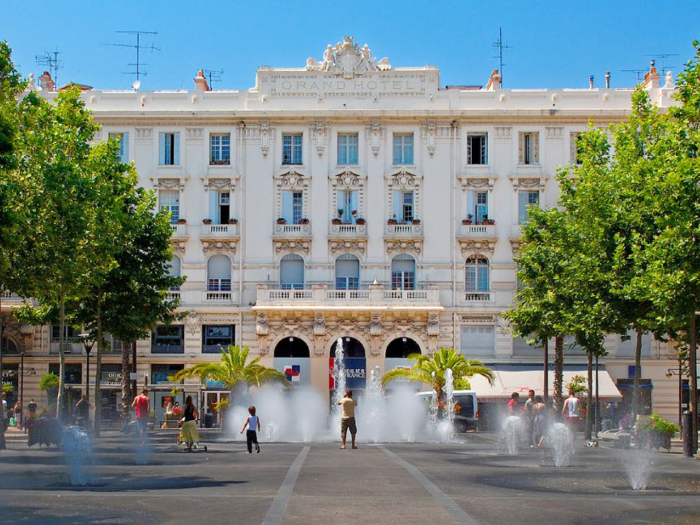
column 468, row 483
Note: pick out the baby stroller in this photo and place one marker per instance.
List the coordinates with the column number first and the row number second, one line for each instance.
column 197, row 446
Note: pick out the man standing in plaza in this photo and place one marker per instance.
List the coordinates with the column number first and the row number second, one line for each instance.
column 347, row 421
column 529, row 414
column 142, row 404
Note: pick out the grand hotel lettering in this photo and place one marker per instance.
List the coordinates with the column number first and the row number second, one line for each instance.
column 408, row 85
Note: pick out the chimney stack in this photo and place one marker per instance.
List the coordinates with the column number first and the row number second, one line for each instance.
column 46, row 82
column 590, row 81
column 494, row 82
column 200, row 83
column 607, row 80
column 651, row 79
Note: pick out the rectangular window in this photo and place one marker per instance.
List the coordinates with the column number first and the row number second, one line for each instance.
column 123, row 139
column 481, row 208
column 477, row 148
column 216, row 337
column 297, row 207
column 170, row 201
column 477, row 278
column 529, row 152
column 478, row 340
column 168, row 339
column 347, row 283
column 347, row 149
column 220, row 149
column 164, row 373
column 407, row 206
column 70, row 334
column 291, row 148
column 215, row 284
column 72, row 372
column 575, row 149
column 403, row 148
column 169, row 149
column 526, row 198
column 403, row 280
column 347, row 206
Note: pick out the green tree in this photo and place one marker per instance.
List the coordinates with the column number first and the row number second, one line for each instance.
column 233, row 370
column 49, row 383
column 431, row 369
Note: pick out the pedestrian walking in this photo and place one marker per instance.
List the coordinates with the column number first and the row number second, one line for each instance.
column 18, row 415
column 347, row 421
column 539, row 421
column 142, row 405
column 189, row 434
column 528, row 413
column 83, row 409
column 251, row 435
column 31, row 413
column 571, row 411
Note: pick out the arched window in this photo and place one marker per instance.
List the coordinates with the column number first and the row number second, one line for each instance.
column 347, row 272
column 403, row 272
column 292, row 348
column 9, row 346
column 219, row 274
column 401, row 348
column 476, row 278
column 292, row 272
column 174, row 270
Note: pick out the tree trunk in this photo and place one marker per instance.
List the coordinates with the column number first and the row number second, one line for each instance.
column 558, row 374
column 60, row 411
column 545, row 379
column 3, row 445
column 98, row 371
column 589, row 398
column 637, row 375
column 693, row 376
column 126, row 384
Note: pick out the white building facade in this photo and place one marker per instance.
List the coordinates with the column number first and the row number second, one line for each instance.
column 352, row 199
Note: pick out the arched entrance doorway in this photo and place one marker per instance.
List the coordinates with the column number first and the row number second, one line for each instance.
column 355, row 366
column 401, row 348
column 291, row 357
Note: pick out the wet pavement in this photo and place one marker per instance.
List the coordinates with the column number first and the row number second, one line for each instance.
column 473, row 482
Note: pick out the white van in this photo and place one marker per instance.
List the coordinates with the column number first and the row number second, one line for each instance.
column 466, row 408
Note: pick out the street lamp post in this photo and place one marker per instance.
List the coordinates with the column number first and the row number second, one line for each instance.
column 669, row 374
column 88, row 343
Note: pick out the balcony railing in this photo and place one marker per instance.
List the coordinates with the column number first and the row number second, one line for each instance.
column 204, row 297
column 470, row 297
column 179, row 230
column 477, row 230
column 173, row 295
column 374, row 297
column 348, row 229
column 219, row 230
column 218, row 297
column 167, row 349
column 404, row 229
column 293, row 229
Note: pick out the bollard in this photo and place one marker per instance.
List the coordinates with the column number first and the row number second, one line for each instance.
column 687, row 433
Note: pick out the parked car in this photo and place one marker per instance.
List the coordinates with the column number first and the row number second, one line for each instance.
column 466, row 408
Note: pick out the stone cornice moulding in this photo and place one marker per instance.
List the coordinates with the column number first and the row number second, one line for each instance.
column 226, row 179
column 472, row 247
column 477, row 181
column 528, row 182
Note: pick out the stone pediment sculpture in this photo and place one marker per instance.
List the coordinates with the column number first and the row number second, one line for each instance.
column 348, row 59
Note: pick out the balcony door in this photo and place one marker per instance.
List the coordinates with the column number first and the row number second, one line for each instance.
column 292, row 272
column 403, row 272
column 347, row 272
column 219, row 274
column 477, row 274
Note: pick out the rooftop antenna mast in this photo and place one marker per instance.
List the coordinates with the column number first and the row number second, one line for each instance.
column 663, row 57
column 138, row 46
column 50, row 59
column 500, row 48
column 639, row 72
column 213, row 75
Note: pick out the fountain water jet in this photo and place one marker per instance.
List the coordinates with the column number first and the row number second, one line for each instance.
column 637, row 465
column 77, row 453
column 561, row 439
column 512, row 434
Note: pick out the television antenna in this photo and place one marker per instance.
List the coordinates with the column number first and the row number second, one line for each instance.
column 50, row 60
column 639, row 72
column 138, row 46
column 500, row 46
column 663, row 57
column 213, row 75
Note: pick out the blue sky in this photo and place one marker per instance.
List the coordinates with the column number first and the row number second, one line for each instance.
column 554, row 44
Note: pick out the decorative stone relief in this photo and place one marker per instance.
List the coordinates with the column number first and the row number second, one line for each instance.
column 264, row 138
column 471, row 182
column 220, row 184
column 350, row 245
column 433, row 325
column 527, row 183
column 375, row 134
column 262, row 326
column 503, row 133
column 555, row 133
column 404, row 180
column 429, row 132
column 144, row 133
column 211, row 245
column 292, row 180
column 319, row 324
column 347, row 59
column 478, row 319
column 178, row 245
column 195, row 133
column 515, row 247
column 473, row 247
column 375, row 325
column 403, row 245
column 289, row 245
column 320, row 134
column 347, row 180
column 192, row 323
column 170, row 184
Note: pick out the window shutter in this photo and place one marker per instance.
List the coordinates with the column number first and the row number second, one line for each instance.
column 287, row 197
column 342, row 149
column 213, row 207
column 398, row 205
column 471, row 204
column 124, row 148
column 397, row 149
column 482, row 284
column 161, row 149
column 485, row 148
column 176, row 149
column 219, row 267
column 352, row 149
column 522, row 207
column 470, row 149
column 535, row 148
column 354, row 199
column 521, row 148
column 478, row 340
column 408, row 149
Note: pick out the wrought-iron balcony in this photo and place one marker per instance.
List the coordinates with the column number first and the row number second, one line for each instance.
column 376, row 297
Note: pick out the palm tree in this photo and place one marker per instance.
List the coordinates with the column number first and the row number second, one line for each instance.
column 233, row 370
column 431, row 370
